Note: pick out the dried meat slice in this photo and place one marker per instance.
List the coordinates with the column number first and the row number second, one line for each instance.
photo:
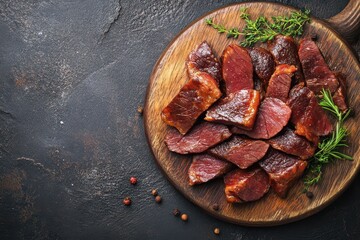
column 289, row 142
column 200, row 138
column 237, row 69
column 263, row 62
column 309, row 119
column 283, row 170
column 339, row 96
column 204, row 168
column 280, row 82
column 316, row 71
column 203, row 59
column 273, row 115
column 195, row 97
column 246, row 185
column 238, row 109
column 240, row 151
column 285, row 51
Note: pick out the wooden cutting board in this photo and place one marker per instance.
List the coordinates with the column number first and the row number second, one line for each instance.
column 169, row 75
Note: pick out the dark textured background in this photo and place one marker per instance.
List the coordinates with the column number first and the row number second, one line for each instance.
column 72, row 73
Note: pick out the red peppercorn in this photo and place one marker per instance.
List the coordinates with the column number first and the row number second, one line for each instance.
column 154, row 192
column 127, row 201
column 158, row 199
column 133, row 180
column 217, row 231
column 184, row 217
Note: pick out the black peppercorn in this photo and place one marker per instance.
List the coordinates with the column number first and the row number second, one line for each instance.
column 158, row 199
column 309, row 194
column 176, row 212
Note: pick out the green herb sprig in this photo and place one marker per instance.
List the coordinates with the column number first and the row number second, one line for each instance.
column 328, row 149
column 261, row 29
column 231, row 33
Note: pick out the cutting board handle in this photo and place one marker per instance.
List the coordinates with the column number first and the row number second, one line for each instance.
column 347, row 22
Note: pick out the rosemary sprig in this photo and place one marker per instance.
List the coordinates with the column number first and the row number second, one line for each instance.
column 328, row 149
column 263, row 30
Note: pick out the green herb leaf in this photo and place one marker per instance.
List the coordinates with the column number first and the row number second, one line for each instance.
column 328, row 149
column 261, row 30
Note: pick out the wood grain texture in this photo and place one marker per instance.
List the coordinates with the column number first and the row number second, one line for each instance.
column 169, row 75
column 347, row 22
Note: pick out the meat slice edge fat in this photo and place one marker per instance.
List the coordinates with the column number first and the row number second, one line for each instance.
column 195, row 97
column 246, row 185
column 273, row 115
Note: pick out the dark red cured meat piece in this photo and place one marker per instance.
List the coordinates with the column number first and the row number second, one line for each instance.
column 203, row 59
column 260, row 87
column 283, row 170
column 280, row 82
column 246, row 185
column 195, row 97
column 339, row 96
column 237, row 69
column 285, row 51
column 198, row 139
column 240, row 151
column 289, row 142
column 205, row 168
column 238, row 109
column 316, row 71
column 263, row 62
column 273, row 115
column 309, row 118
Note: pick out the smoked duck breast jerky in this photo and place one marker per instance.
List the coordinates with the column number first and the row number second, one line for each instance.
column 205, row 167
column 246, row 185
column 263, row 62
column 198, row 139
column 240, row 151
column 289, row 142
column 237, row 109
column 195, row 97
column 273, row 115
column 283, row 170
column 308, row 117
column 285, row 51
column 280, row 82
column 237, row 69
column 317, row 73
column 203, row 59
column 339, row 96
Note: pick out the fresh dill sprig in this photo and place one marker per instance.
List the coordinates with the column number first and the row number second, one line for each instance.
column 262, row 30
column 328, row 149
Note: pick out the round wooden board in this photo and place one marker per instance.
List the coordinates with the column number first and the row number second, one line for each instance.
column 169, row 75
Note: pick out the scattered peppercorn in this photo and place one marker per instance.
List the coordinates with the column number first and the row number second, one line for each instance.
column 184, row 217
column 133, row 180
column 127, row 201
column 158, row 199
column 154, row 192
column 217, row 231
column 216, row 207
column 176, row 212
column 309, row 194
column 140, row 109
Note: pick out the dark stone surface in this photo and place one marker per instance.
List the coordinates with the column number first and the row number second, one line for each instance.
column 72, row 74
